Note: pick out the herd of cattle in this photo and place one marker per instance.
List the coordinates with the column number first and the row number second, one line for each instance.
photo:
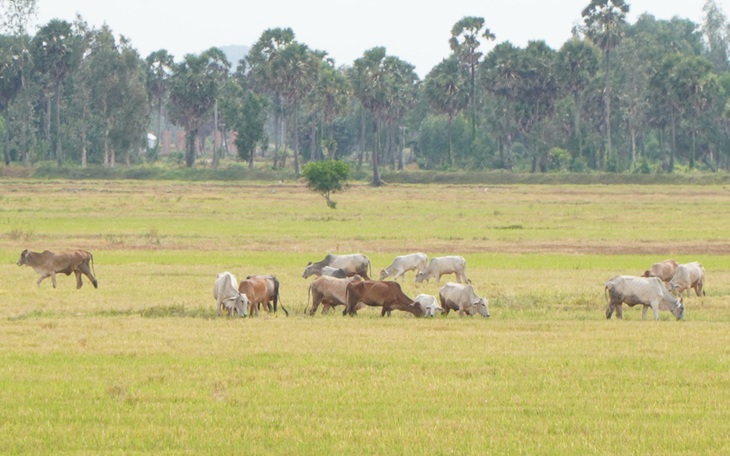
column 345, row 280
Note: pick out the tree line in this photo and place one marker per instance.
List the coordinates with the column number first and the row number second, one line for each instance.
column 650, row 96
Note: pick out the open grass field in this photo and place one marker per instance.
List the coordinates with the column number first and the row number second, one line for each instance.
column 143, row 365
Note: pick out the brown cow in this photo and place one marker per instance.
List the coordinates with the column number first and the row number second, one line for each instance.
column 664, row 270
column 330, row 292
column 48, row 264
column 272, row 284
column 387, row 295
column 258, row 292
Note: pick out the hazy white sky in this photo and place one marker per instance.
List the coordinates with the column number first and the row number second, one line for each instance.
column 413, row 30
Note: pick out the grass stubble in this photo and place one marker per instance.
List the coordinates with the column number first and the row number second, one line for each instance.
column 142, row 365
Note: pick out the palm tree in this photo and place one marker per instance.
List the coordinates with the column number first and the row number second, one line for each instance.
column 160, row 65
column 604, row 25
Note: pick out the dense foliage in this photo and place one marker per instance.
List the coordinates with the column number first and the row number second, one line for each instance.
column 647, row 97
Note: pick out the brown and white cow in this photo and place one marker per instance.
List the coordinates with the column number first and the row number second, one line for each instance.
column 272, row 285
column 227, row 295
column 257, row 291
column 404, row 263
column 444, row 265
column 48, row 264
column 462, row 298
column 354, row 263
column 663, row 269
column 377, row 293
column 647, row 291
column 689, row 275
column 330, row 292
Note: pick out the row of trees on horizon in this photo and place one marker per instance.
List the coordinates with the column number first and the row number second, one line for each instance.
column 645, row 97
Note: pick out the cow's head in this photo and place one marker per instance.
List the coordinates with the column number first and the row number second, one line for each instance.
column 308, row 270
column 482, row 306
column 421, row 276
column 23, row 258
column 678, row 310
column 383, row 274
column 241, row 304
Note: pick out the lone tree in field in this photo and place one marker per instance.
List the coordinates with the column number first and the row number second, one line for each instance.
column 327, row 177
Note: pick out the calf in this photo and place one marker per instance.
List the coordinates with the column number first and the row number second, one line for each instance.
column 430, row 304
column 272, row 286
column 257, row 292
column 387, row 295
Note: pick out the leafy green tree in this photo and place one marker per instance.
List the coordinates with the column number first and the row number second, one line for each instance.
column 717, row 34
column 604, row 25
column 327, row 177
column 246, row 113
column 192, row 94
column 160, row 67
column 11, row 82
column 447, row 89
column 464, row 43
column 219, row 68
column 328, row 100
column 55, row 52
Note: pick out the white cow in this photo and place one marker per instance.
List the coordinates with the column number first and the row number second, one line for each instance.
column 463, row 298
column 647, row 291
column 354, row 263
column 430, row 304
column 689, row 275
column 403, row 264
column 444, row 265
column 226, row 294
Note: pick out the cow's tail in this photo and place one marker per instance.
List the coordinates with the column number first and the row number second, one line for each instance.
column 93, row 270
column 309, row 293
column 286, row 312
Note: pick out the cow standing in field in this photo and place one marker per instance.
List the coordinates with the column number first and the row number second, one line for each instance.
column 444, row 265
column 663, row 269
column 647, row 291
column 330, row 292
column 430, row 305
column 48, row 264
column 272, row 286
column 689, row 275
column 387, row 295
column 462, row 298
column 354, row 263
column 227, row 295
column 258, row 292
column 402, row 264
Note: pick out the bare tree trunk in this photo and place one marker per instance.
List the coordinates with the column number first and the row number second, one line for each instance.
column 607, row 102
column 59, row 149
column 215, row 134
column 362, row 139
column 376, row 172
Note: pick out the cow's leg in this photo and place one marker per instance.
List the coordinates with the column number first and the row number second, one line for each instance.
column 53, row 279
column 38, row 282
column 79, row 283
column 219, row 305
column 654, row 309
column 643, row 312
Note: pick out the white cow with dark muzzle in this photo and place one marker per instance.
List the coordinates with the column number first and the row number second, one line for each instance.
column 647, row 291
column 226, row 294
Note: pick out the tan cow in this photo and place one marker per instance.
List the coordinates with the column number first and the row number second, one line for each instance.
column 272, row 285
column 688, row 275
column 257, row 291
column 376, row 293
column 664, row 270
column 48, row 264
column 330, row 292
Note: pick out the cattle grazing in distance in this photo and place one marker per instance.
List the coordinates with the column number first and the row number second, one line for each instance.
column 430, row 305
column 663, row 269
column 272, row 286
column 387, row 295
column 444, row 265
column 330, row 292
column 402, row 264
column 462, row 298
column 354, row 263
column 647, row 291
column 689, row 275
column 48, row 264
column 227, row 296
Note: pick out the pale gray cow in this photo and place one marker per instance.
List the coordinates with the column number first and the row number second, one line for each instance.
column 647, row 291
column 462, row 298
column 226, row 294
column 402, row 264
column 354, row 263
column 689, row 275
column 444, row 265
column 430, row 305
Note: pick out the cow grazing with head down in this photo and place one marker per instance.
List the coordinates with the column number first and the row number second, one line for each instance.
column 444, row 265
column 330, row 292
column 430, row 305
column 647, row 291
column 354, row 263
column 258, row 292
column 687, row 276
column 402, row 264
column 272, row 286
column 48, row 264
column 376, row 293
column 663, row 269
column 462, row 298
column 227, row 295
